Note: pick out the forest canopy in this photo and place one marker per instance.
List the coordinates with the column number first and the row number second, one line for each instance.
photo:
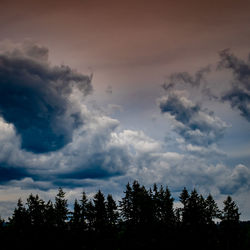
column 142, row 219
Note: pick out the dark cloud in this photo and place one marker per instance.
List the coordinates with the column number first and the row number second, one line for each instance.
column 239, row 99
column 35, row 98
column 196, row 125
column 239, row 94
column 8, row 173
column 185, row 78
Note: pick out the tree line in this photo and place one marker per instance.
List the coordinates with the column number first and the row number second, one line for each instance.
column 142, row 219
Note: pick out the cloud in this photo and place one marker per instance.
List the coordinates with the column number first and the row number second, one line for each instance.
column 196, row 125
column 184, row 78
column 96, row 152
column 109, row 90
column 238, row 179
column 35, row 98
column 92, row 153
column 239, row 94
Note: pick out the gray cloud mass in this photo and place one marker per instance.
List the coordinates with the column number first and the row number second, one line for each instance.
column 239, row 94
column 196, row 125
column 34, row 97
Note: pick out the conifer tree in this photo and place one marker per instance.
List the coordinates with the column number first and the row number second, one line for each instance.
column 112, row 213
column 184, row 196
column 36, row 210
column 126, row 205
column 49, row 214
column 83, row 206
column 61, row 209
column 168, row 216
column 230, row 211
column 230, row 224
column 100, row 212
column 20, row 219
column 90, row 215
column 212, row 210
column 76, row 216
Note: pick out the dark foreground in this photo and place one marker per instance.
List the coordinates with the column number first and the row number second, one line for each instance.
column 143, row 219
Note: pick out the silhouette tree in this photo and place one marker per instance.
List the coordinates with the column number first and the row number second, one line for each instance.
column 167, row 210
column 76, row 216
column 49, row 214
column 100, row 212
column 84, row 207
column 20, row 219
column 230, row 225
column 61, row 209
column 142, row 212
column 147, row 220
column 230, row 211
column 184, row 197
column 36, row 210
column 112, row 213
column 212, row 210
column 126, row 205
column 90, row 215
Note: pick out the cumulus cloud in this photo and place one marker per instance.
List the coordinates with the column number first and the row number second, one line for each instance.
column 196, row 125
column 239, row 94
column 35, row 98
column 91, row 154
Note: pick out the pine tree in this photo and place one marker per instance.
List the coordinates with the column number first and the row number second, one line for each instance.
column 20, row 219
column 230, row 224
column 230, row 211
column 212, row 210
column 126, row 205
column 184, row 197
column 112, row 213
column 83, row 206
column 61, row 209
column 49, row 214
column 100, row 212
column 36, row 210
column 76, row 216
column 90, row 215
column 168, row 215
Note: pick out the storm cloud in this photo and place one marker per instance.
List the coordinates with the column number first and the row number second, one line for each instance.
column 35, row 98
column 239, row 94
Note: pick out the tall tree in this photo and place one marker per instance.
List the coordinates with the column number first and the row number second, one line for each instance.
column 112, row 213
column 49, row 214
column 184, row 197
column 126, row 205
column 36, row 210
column 212, row 210
column 100, row 212
column 230, row 211
column 61, row 209
column 83, row 206
column 167, row 204
column 90, row 215
column 76, row 216
column 230, row 225
column 142, row 205
column 195, row 209
column 20, row 219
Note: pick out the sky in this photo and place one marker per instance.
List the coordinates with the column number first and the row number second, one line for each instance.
column 95, row 94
